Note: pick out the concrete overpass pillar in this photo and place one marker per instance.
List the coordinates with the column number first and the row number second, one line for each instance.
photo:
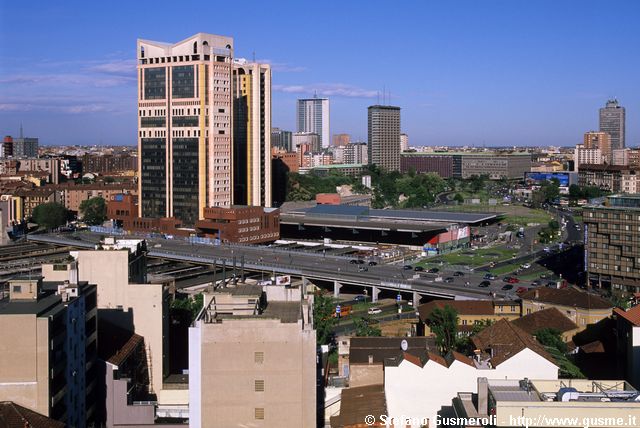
column 374, row 294
column 416, row 299
column 305, row 284
column 336, row 289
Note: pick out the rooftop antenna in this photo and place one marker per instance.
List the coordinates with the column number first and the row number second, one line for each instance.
column 315, row 93
column 254, row 56
column 21, row 135
column 384, row 94
column 378, row 97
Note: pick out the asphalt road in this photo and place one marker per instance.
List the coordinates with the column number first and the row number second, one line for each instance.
column 280, row 261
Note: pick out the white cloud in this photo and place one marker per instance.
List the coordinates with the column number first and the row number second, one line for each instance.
column 327, row 90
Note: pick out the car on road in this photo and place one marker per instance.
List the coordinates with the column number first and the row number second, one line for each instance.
column 362, row 268
column 484, row 284
column 359, row 298
column 535, row 283
column 374, row 311
column 372, row 263
column 489, row 276
column 433, row 270
column 418, row 269
column 507, row 287
column 353, row 261
column 525, row 266
column 407, row 267
column 458, row 273
column 449, row 279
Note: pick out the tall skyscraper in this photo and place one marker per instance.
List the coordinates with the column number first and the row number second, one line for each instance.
column 384, row 137
column 313, row 116
column 184, row 126
column 251, row 134
column 404, row 142
column 599, row 140
column 282, row 139
column 612, row 121
column 341, row 139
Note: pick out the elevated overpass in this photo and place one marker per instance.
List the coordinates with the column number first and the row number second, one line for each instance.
column 331, row 269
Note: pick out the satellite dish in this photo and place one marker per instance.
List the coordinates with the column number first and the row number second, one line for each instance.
column 404, row 345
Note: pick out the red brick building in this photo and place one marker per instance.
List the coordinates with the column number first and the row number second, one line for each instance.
column 241, row 224
column 238, row 224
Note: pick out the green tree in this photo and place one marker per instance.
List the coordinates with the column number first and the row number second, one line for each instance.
column 364, row 328
column 552, row 338
column 465, row 344
column 186, row 309
column 323, row 318
column 94, row 210
column 50, row 215
column 458, row 198
column 554, row 225
column 444, row 324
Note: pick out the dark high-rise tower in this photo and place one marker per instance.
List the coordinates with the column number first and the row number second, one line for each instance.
column 612, row 118
column 384, row 137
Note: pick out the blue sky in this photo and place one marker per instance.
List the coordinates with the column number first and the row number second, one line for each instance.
column 483, row 72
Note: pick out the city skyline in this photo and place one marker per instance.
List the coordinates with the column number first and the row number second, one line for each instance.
column 495, row 74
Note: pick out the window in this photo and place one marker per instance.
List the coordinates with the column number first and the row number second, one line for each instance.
column 259, row 385
column 259, row 413
column 17, row 288
column 258, row 357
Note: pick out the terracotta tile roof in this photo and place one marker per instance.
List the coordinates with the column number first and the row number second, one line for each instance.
column 387, row 348
column 462, row 307
column 457, row 356
column 436, row 358
column 593, row 347
column 632, row 315
column 13, row 415
column 566, row 297
column 546, row 318
column 357, row 403
column 413, row 359
column 506, row 340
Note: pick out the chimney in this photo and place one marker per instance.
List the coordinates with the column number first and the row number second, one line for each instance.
column 73, row 272
column 483, row 395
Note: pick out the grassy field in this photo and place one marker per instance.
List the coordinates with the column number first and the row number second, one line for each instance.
column 472, row 258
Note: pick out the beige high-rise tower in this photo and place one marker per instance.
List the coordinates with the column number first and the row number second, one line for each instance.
column 185, row 126
column 251, row 134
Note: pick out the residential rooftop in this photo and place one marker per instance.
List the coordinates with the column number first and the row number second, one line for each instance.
column 566, row 297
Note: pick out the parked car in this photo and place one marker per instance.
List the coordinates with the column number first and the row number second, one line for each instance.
column 359, row 298
column 535, row 283
column 449, row 279
column 362, row 268
column 489, row 276
column 407, row 267
column 525, row 266
column 433, row 270
column 353, row 261
column 521, row 290
column 418, row 269
column 513, row 281
column 374, row 311
column 507, row 287
column 458, row 273
column 484, row 284
column 360, row 261
column 372, row 263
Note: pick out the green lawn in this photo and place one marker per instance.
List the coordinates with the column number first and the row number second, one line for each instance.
column 472, row 258
column 513, row 214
